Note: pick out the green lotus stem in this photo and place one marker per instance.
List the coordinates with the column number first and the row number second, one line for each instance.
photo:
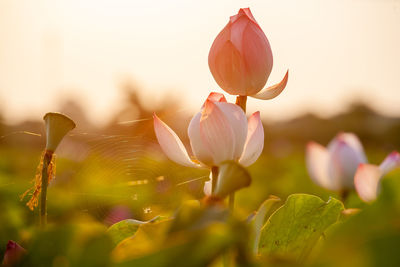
column 57, row 126
column 344, row 194
column 43, row 194
column 214, row 175
column 241, row 101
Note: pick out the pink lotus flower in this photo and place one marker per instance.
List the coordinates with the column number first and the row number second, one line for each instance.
column 240, row 58
column 13, row 254
column 368, row 176
column 219, row 132
column 334, row 167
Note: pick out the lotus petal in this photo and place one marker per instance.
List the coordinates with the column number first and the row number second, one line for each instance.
column 254, row 142
column 390, row 163
column 217, row 133
column 171, row 144
column 274, row 90
column 317, row 159
column 366, row 181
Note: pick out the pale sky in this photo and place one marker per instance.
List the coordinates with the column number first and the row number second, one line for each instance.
column 336, row 51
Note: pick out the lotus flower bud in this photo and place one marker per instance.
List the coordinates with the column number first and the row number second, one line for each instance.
column 334, row 167
column 57, row 126
column 240, row 58
column 13, row 254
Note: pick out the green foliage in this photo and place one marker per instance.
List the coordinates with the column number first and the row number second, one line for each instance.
column 69, row 245
column 199, row 250
column 294, row 229
column 86, row 190
column 96, row 252
column 258, row 219
column 372, row 236
column 196, row 237
column 124, row 229
column 192, row 216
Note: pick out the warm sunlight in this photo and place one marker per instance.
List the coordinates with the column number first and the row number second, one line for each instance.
column 81, row 48
column 199, row 133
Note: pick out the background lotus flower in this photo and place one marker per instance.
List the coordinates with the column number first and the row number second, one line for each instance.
column 334, row 167
column 240, row 58
column 13, row 254
column 219, row 132
column 368, row 176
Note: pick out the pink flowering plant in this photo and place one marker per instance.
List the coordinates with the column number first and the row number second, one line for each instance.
column 214, row 229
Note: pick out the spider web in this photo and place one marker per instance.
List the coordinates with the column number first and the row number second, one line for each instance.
column 105, row 171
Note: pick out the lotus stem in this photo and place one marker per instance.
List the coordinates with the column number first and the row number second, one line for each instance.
column 241, row 101
column 43, row 194
column 344, row 194
column 214, row 175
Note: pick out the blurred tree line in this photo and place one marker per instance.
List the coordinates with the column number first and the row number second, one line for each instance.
column 375, row 130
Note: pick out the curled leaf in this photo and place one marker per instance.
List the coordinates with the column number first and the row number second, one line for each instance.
column 257, row 221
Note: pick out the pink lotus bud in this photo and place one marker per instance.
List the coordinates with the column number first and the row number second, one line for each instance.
column 219, row 132
column 368, row 176
column 13, row 254
column 240, row 58
column 334, row 167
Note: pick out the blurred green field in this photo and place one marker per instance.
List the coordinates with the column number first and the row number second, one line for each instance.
column 119, row 172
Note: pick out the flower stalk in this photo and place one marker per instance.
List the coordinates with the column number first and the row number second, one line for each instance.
column 57, row 126
column 45, row 181
column 241, row 101
column 214, row 175
column 344, row 194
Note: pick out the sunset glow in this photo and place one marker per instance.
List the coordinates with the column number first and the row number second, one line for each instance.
column 338, row 51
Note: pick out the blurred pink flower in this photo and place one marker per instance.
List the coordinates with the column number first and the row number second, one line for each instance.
column 368, row 176
column 240, row 58
column 334, row 167
column 219, row 132
column 117, row 214
column 13, row 254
